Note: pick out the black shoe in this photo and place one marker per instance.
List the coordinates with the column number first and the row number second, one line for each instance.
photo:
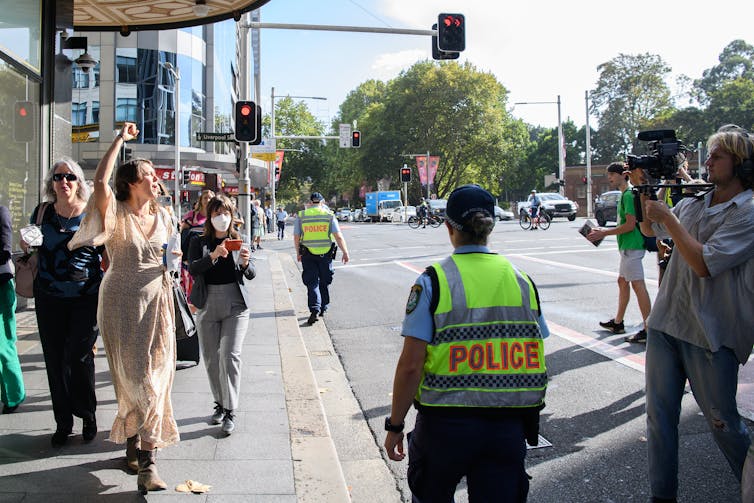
column 640, row 336
column 616, row 328
column 59, row 438
column 312, row 318
column 322, row 313
column 89, row 431
column 10, row 410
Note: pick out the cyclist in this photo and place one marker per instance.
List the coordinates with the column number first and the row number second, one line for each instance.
column 422, row 212
column 536, row 202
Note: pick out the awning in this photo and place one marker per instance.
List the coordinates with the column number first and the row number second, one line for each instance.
column 135, row 15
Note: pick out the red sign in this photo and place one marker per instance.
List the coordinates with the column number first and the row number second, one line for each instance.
column 421, row 166
column 278, row 164
column 231, row 190
column 165, row 174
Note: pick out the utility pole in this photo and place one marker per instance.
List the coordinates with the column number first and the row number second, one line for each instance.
column 588, row 160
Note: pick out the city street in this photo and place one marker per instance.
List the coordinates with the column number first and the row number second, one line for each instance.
column 593, row 427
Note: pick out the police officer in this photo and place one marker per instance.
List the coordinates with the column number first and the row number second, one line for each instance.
column 313, row 238
column 473, row 365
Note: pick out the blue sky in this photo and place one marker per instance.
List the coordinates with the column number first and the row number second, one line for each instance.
column 536, row 49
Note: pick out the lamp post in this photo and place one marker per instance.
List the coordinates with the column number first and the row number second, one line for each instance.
column 588, row 159
column 561, row 156
column 175, row 72
column 272, row 129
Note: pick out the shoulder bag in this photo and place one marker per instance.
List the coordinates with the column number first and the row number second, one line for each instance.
column 26, row 265
column 185, row 325
column 198, row 295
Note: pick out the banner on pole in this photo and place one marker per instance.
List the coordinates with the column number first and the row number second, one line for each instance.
column 427, row 173
column 279, row 154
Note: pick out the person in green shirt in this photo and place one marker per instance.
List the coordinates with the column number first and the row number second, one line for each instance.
column 631, row 249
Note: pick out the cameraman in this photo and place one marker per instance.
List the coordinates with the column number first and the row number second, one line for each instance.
column 701, row 326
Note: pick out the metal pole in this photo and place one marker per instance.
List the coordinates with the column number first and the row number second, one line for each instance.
column 699, row 147
column 588, row 160
column 405, row 196
column 561, row 156
column 176, row 73
column 273, row 163
column 426, row 167
column 244, row 184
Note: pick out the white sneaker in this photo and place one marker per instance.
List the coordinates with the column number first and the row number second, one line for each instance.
column 218, row 415
column 228, row 424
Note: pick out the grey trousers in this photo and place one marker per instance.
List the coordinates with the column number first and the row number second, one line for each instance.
column 222, row 326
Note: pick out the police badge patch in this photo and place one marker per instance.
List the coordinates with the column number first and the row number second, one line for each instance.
column 413, row 298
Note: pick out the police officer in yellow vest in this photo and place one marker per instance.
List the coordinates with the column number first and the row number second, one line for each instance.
column 313, row 236
column 473, row 365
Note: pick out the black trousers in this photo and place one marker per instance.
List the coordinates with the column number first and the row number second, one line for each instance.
column 68, row 330
column 488, row 452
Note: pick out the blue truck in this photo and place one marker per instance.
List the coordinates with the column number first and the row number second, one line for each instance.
column 382, row 202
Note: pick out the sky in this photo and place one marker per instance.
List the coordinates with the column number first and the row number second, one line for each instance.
column 538, row 50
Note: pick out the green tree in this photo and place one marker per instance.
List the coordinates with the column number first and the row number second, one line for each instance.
column 631, row 91
column 736, row 62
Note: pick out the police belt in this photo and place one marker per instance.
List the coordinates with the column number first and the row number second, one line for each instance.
column 330, row 253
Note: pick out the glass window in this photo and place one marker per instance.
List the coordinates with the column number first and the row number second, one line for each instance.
column 80, row 78
column 125, row 109
column 125, row 70
column 95, row 112
column 78, row 114
column 20, row 32
column 19, row 162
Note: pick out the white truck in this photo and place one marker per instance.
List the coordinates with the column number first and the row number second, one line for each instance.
column 553, row 203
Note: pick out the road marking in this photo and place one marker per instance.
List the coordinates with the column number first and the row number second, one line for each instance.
column 616, row 353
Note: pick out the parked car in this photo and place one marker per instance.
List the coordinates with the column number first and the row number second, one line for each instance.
column 502, row 214
column 399, row 215
column 606, row 207
column 437, row 206
column 554, row 204
column 344, row 215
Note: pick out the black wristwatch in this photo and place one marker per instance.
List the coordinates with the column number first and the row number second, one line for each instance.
column 395, row 428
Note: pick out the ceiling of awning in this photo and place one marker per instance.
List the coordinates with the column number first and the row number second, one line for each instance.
column 135, row 15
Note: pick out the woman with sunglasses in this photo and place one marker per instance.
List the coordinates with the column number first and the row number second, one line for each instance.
column 65, row 294
column 136, row 315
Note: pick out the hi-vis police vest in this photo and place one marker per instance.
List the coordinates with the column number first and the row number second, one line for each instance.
column 315, row 230
column 487, row 349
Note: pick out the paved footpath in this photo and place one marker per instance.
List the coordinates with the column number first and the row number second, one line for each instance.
column 283, row 449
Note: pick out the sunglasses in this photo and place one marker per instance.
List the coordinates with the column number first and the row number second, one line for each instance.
column 58, row 177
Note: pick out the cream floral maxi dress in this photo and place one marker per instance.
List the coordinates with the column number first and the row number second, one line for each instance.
column 136, row 321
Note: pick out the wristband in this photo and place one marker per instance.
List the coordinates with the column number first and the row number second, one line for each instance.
column 394, row 428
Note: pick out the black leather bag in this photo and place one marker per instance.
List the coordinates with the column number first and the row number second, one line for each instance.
column 185, row 325
column 198, row 294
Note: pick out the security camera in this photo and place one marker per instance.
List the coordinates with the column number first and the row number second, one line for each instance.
column 86, row 62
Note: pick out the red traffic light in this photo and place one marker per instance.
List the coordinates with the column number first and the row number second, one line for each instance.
column 355, row 139
column 22, row 111
column 454, row 21
column 245, row 110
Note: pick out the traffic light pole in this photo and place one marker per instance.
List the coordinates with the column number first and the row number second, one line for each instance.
column 356, row 29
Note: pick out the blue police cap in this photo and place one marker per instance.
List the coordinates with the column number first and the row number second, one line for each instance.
column 316, row 197
column 467, row 200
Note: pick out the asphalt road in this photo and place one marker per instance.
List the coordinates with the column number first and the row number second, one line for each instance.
column 594, row 422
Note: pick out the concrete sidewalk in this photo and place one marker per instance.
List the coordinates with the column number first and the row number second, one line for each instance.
column 281, row 451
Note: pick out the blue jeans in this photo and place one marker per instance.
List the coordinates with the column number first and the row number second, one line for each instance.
column 713, row 378
column 317, row 275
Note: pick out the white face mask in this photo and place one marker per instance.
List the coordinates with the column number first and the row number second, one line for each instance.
column 221, row 222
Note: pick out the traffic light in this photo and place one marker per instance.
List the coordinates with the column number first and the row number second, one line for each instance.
column 248, row 122
column 437, row 53
column 186, row 177
column 356, row 139
column 405, row 174
column 451, row 32
column 23, row 121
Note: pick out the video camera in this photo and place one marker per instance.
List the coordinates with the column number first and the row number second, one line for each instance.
column 662, row 161
column 666, row 155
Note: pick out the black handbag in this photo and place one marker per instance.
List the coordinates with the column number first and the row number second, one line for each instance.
column 198, row 294
column 185, row 325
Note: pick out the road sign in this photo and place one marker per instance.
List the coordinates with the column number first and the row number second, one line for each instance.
column 345, row 135
column 215, row 137
column 265, row 150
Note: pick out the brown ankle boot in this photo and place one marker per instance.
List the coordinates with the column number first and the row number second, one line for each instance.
column 132, row 453
column 148, row 479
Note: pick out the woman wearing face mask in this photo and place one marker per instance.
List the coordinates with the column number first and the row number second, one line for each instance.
column 224, row 319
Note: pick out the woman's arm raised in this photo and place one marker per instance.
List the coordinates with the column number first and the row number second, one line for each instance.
column 102, row 192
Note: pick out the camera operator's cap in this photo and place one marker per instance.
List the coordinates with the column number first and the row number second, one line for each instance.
column 533, row 191
column 316, row 197
column 465, row 201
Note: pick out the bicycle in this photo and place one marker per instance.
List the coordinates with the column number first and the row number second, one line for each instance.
column 542, row 220
column 431, row 220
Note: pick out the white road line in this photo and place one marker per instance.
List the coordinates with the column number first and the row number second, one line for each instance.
column 616, row 353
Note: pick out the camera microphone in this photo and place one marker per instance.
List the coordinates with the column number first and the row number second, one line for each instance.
column 656, row 135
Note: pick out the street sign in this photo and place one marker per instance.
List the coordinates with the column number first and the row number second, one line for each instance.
column 345, row 135
column 265, row 150
column 215, row 137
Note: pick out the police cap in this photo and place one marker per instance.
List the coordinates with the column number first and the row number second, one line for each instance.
column 467, row 200
column 316, row 197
